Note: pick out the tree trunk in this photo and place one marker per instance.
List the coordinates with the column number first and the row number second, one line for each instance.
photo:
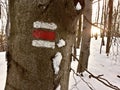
column 86, row 36
column 29, row 64
column 0, row 11
column 79, row 32
column 102, row 31
column 109, row 27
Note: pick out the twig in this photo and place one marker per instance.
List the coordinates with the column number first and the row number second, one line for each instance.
column 92, row 23
column 96, row 1
column 99, row 78
column 118, row 76
column 88, row 84
column 75, row 85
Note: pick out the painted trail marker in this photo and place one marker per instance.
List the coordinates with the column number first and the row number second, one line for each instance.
column 42, row 43
column 46, row 25
column 44, row 34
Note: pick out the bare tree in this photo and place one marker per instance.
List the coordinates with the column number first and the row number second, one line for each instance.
column 103, row 22
column 86, row 36
column 110, row 5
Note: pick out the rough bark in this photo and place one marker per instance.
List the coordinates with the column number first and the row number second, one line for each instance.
column 86, row 35
column 30, row 68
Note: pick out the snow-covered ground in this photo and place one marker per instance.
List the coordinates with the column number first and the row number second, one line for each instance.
column 98, row 64
column 3, row 70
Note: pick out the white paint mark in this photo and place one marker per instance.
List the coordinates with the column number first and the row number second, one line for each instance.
column 61, row 43
column 41, row 24
column 56, row 62
column 42, row 43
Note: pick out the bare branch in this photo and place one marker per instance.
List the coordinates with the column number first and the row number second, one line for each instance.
column 96, row 1
column 99, row 78
column 92, row 23
column 88, row 84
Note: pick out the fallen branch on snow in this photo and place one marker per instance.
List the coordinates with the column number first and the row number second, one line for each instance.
column 99, row 78
column 88, row 84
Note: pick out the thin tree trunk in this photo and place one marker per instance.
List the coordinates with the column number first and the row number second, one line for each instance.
column 98, row 13
column 102, row 31
column 115, row 18
column 109, row 27
column 79, row 32
column 86, row 36
column 0, row 11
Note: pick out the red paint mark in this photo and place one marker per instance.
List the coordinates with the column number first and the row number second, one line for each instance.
column 44, row 34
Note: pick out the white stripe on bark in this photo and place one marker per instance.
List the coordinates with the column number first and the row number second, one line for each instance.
column 42, row 43
column 45, row 25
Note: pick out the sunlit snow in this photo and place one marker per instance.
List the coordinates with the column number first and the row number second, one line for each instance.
column 98, row 64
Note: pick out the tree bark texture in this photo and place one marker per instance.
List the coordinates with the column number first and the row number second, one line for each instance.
column 29, row 67
column 86, row 36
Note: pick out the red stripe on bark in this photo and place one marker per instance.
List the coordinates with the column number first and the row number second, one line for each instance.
column 45, row 35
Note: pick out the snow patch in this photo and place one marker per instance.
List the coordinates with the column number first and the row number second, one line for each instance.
column 58, row 88
column 3, row 70
column 56, row 62
column 78, row 6
column 41, row 24
column 61, row 43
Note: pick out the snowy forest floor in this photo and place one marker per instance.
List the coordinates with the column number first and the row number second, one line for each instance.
column 99, row 64
column 3, row 70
